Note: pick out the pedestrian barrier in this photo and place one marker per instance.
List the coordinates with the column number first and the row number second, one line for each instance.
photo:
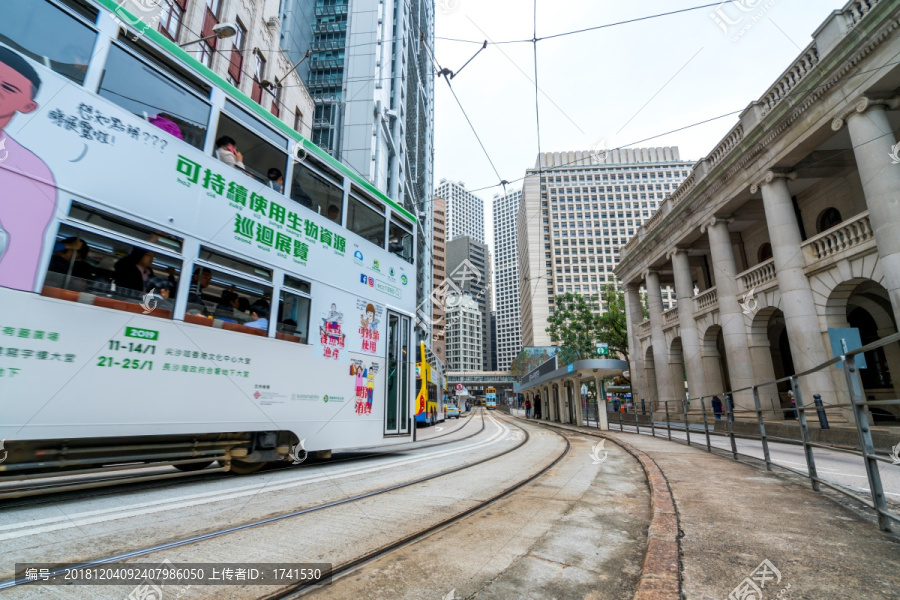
column 692, row 415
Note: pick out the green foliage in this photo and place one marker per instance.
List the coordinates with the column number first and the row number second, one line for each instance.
column 611, row 325
column 527, row 361
column 574, row 327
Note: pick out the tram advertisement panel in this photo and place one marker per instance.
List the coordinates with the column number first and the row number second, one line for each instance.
column 110, row 373
column 61, row 136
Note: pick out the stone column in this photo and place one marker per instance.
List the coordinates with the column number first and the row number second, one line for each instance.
column 690, row 339
column 873, row 139
column 892, row 356
column 797, row 301
column 665, row 390
column 579, row 409
column 634, row 316
column 731, row 317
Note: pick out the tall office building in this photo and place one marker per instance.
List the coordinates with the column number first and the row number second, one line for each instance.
column 508, row 339
column 577, row 210
column 373, row 85
column 464, row 341
column 465, row 211
column 439, row 275
column 469, row 268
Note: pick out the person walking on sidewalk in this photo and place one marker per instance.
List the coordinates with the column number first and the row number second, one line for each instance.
column 717, row 407
column 528, row 409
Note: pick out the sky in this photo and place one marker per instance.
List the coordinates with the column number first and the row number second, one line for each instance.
column 605, row 88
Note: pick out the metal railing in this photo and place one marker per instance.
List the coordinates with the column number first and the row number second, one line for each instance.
column 693, row 413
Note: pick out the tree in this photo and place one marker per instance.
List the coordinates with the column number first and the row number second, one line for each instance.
column 574, row 326
column 611, row 327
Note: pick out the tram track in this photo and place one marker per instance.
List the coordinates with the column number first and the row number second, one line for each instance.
column 296, row 591
column 195, row 539
column 72, row 487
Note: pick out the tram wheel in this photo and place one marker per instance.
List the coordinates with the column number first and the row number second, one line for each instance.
column 245, row 468
column 199, row 466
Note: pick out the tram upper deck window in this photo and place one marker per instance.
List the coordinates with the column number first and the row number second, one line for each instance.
column 317, row 193
column 104, row 220
column 400, row 240
column 50, row 35
column 90, row 268
column 366, row 220
column 156, row 94
column 258, row 156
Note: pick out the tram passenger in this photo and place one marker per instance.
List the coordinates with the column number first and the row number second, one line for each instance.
column 164, row 291
column 62, row 255
column 395, row 247
column 228, row 153
column 133, row 271
column 200, row 280
column 276, row 180
column 334, row 213
column 259, row 312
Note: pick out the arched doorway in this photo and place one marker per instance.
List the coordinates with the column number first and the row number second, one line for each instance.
column 715, row 364
column 782, row 360
column 676, row 367
column 650, row 377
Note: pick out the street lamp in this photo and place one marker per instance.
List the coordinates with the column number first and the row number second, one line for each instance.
column 220, row 31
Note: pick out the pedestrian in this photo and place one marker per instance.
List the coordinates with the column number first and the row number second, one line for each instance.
column 717, row 407
column 793, row 403
column 528, row 409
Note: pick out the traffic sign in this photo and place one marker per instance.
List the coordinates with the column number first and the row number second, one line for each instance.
column 459, row 387
column 603, row 349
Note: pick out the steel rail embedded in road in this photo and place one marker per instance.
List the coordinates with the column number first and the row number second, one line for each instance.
column 53, row 572
column 298, row 590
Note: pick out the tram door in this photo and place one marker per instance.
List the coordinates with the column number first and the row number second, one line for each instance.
column 396, row 413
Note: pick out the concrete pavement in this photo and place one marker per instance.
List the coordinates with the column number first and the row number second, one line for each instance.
column 733, row 517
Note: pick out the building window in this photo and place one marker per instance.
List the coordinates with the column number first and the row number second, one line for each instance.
column 236, row 63
column 298, row 121
column 765, row 252
column 259, row 74
column 171, row 15
column 828, row 219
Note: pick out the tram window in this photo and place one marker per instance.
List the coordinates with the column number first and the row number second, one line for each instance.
column 50, row 36
column 365, row 221
column 150, row 93
column 104, row 220
column 400, row 241
column 89, row 268
column 225, row 300
column 293, row 320
column 317, row 193
column 258, row 155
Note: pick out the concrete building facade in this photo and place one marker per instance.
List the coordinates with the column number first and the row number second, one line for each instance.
column 464, row 340
column 439, row 276
column 465, row 211
column 508, row 338
column 469, row 268
column 577, row 209
column 787, row 230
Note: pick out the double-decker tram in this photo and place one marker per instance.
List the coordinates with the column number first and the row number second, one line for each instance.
column 490, row 398
column 430, row 397
column 164, row 299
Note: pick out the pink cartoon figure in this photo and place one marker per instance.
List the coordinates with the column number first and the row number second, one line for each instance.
column 27, row 188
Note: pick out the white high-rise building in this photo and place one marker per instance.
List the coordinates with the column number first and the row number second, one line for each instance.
column 508, row 339
column 465, row 210
column 464, row 342
column 577, row 210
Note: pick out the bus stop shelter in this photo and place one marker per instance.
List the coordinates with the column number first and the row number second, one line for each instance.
column 556, row 395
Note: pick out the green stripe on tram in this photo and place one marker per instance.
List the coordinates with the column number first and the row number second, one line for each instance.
column 113, row 6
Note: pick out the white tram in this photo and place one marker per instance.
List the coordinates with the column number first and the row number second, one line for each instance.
column 159, row 298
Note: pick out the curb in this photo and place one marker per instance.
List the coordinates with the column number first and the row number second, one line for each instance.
column 661, row 571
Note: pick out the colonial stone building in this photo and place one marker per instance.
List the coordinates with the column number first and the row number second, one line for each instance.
column 789, row 228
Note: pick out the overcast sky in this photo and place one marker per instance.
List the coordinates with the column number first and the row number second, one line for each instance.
column 621, row 84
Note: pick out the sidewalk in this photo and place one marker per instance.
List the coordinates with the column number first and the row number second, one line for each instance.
column 734, row 516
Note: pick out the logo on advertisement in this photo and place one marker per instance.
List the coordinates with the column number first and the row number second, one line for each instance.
column 404, row 280
column 325, row 398
column 257, row 395
column 391, row 272
column 295, row 453
column 376, row 265
column 358, row 256
column 371, row 282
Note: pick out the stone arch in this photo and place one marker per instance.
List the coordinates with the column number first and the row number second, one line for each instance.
column 715, row 364
column 828, row 218
column 677, row 367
